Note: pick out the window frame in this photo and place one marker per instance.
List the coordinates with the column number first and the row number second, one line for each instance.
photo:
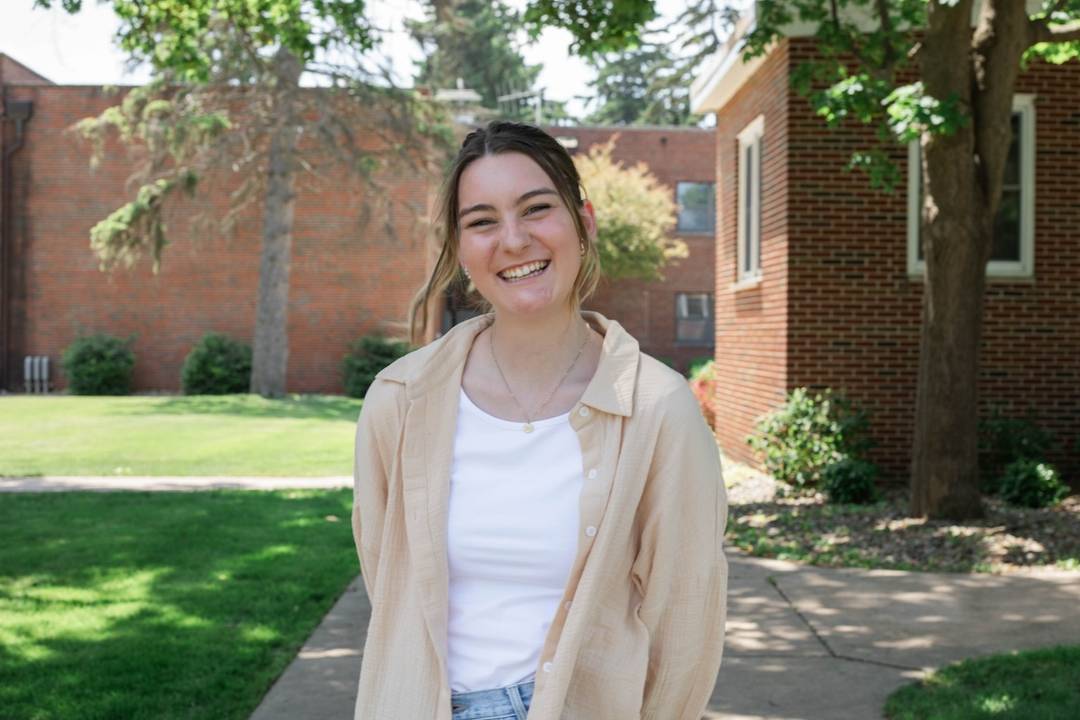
column 749, row 139
column 682, row 298
column 711, row 230
column 1024, row 106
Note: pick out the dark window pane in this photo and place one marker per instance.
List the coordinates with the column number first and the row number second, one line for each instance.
column 748, row 203
column 693, row 318
column 696, row 203
column 694, row 331
column 1006, row 241
column 1006, row 244
column 1012, row 163
column 757, row 160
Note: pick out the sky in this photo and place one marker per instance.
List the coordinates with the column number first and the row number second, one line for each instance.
column 78, row 49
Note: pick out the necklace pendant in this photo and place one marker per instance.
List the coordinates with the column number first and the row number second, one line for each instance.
column 527, row 427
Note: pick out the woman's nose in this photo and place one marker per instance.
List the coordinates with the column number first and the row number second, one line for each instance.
column 516, row 237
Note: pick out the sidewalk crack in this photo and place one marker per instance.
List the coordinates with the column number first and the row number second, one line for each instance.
column 832, row 653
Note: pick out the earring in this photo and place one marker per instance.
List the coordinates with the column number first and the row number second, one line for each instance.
column 581, row 246
column 467, row 275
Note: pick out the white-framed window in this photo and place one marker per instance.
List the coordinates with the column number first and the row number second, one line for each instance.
column 694, row 318
column 749, row 214
column 1013, row 251
column 697, row 207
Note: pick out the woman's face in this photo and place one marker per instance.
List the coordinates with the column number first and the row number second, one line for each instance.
column 517, row 238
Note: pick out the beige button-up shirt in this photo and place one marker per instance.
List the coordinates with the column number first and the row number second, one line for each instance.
column 640, row 630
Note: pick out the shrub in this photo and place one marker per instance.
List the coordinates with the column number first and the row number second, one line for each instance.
column 850, row 481
column 703, row 384
column 1033, row 484
column 699, row 365
column 1003, row 441
column 804, row 436
column 366, row 358
column 635, row 216
column 99, row 364
column 217, row 365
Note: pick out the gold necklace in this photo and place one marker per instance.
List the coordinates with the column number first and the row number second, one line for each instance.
column 528, row 426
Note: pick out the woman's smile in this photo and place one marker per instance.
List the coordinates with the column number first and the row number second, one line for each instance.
column 525, row 271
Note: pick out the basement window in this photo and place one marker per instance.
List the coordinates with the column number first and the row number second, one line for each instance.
column 694, row 318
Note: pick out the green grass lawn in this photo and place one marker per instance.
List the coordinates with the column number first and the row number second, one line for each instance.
column 1033, row 685
column 162, row 605
column 177, row 435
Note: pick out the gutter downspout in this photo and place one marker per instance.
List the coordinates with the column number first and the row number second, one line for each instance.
column 20, row 111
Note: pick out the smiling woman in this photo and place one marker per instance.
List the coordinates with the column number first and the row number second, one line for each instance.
column 538, row 506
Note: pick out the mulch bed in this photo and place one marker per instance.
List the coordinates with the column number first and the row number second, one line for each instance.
column 764, row 522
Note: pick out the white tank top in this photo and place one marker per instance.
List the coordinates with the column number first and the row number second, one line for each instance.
column 512, row 539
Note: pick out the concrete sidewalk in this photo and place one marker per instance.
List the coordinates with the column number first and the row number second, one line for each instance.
column 113, row 483
column 803, row 643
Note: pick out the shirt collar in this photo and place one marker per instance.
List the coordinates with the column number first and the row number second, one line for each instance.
column 611, row 389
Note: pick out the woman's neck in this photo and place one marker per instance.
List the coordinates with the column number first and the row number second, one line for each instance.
column 535, row 349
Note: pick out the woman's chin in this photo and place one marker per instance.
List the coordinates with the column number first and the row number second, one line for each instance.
column 525, row 304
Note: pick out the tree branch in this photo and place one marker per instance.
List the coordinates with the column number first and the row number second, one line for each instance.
column 1039, row 31
column 890, row 57
column 852, row 38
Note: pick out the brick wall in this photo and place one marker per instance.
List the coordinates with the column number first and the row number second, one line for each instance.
column 752, row 323
column 348, row 278
column 647, row 308
column 12, row 71
column 852, row 315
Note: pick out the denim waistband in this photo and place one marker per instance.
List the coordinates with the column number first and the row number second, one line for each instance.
column 505, row 702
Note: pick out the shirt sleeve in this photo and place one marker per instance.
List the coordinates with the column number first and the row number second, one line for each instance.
column 372, row 465
column 680, row 567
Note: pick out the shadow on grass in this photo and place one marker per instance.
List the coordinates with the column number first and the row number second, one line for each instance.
column 320, row 407
column 155, row 605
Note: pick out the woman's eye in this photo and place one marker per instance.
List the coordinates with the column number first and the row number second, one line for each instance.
column 537, row 208
column 478, row 223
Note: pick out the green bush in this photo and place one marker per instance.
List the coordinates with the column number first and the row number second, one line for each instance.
column 1003, row 441
column 807, row 434
column 99, row 364
column 699, row 365
column 1033, row 484
column 217, row 365
column 366, row 358
column 850, row 481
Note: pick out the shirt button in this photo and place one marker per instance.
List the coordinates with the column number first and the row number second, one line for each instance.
column 547, row 667
column 583, row 412
column 590, row 531
column 592, row 474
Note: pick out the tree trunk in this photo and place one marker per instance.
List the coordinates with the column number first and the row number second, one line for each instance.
column 956, row 241
column 963, row 176
column 271, row 352
column 956, row 245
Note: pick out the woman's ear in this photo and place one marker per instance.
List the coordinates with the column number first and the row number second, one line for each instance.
column 588, row 216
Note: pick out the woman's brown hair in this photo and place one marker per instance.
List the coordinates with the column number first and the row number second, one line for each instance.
column 497, row 138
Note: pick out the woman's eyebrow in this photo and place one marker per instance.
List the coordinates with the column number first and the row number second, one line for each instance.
column 523, row 198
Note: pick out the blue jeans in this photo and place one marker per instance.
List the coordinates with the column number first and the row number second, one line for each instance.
column 507, row 703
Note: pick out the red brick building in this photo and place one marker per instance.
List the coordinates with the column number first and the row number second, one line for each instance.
column 349, row 278
column 672, row 318
column 819, row 278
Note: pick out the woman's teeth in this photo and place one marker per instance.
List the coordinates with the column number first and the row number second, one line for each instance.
column 523, row 271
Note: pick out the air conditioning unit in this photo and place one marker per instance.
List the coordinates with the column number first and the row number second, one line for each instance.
column 36, row 373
